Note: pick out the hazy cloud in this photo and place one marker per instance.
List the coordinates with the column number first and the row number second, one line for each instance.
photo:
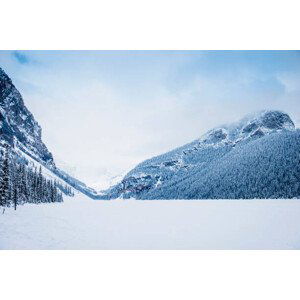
column 20, row 57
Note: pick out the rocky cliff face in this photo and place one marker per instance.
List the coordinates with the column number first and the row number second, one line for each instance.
column 18, row 126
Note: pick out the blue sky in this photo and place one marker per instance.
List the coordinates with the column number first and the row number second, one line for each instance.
column 105, row 111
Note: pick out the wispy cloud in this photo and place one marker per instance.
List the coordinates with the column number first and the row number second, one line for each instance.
column 20, row 57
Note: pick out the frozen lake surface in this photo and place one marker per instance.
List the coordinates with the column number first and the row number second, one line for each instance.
column 82, row 223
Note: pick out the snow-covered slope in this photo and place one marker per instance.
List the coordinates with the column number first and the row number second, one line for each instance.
column 20, row 130
column 17, row 125
column 79, row 223
column 247, row 159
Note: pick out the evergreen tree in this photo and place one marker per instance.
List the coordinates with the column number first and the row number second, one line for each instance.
column 5, row 180
column 20, row 183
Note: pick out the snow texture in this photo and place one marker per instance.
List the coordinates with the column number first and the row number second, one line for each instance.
column 81, row 223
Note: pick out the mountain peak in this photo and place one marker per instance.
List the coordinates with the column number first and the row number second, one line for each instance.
column 271, row 119
column 4, row 76
column 254, row 125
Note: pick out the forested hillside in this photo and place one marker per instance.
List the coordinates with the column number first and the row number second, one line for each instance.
column 21, row 183
column 257, row 157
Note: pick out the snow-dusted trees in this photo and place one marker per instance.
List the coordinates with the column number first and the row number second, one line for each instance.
column 264, row 168
column 20, row 183
column 66, row 189
column 5, row 190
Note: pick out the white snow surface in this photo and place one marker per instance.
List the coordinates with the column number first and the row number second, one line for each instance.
column 82, row 223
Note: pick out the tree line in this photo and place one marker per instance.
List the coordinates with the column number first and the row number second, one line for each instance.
column 21, row 184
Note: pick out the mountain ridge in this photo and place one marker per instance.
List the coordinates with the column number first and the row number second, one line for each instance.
column 179, row 167
column 20, row 130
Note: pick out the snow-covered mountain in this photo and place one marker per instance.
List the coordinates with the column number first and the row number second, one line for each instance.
column 18, row 126
column 20, row 130
column 106, row 180
column 257, row 157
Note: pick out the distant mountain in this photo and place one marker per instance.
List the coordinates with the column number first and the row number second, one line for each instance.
column 20, row 130
column 106, row 180
column 257, row 157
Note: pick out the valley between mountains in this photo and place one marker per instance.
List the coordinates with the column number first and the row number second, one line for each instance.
column 254, row 164
column 256, row 157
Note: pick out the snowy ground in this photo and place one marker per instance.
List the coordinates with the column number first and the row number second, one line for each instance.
column 81, row 223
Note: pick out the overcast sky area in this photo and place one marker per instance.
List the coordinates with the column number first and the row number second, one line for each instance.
column 102, row 112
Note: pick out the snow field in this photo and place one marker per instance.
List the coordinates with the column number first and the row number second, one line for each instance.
column 82, row 223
